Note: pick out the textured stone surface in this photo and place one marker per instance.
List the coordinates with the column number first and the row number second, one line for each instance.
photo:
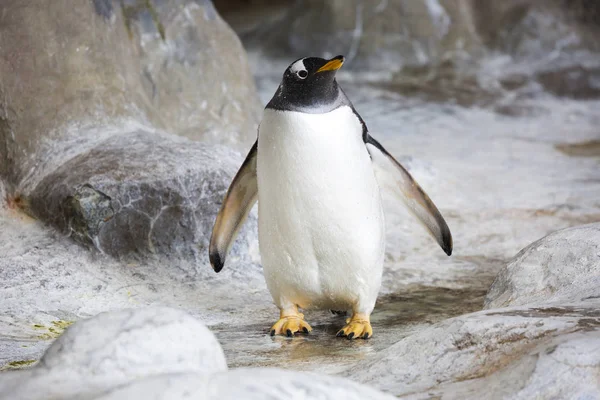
column 47, row 282
column 195, row 71
column 251, row 384
column 505, row 170
column 116, row 348
column 563, row 368
column 137, row 193
column 3, row 195
column 171, row 63
column 563, row 267
column 492, row 210
column 389, row 35
column 480, row 344
column 158, row 353
column 380, row 36
column 117, row 74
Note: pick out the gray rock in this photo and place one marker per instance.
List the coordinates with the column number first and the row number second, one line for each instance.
column 381, row 36
column 114, row 349
column 530, row 28
column 158, row 353
column 3, row 195
column 194, row 71
column 81, row 161
column 171, row 64
column 563, row 267
column 564, row 368
column 481, row 344
column 47, row 282
column 251, row 384
column 579, row 81
column 136, row 193
column 389, row 35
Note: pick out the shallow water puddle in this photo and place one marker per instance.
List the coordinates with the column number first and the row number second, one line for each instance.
column 395, row 317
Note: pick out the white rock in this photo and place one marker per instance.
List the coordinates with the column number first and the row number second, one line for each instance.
column 471, row 346
column 567, row 367
column 561, row 267
column 116, row 348
column 567, row 370
column 250, row 384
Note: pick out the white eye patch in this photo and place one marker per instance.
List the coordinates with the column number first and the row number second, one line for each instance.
column 299, row 69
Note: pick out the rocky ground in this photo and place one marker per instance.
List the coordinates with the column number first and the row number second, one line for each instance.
column 110, row 211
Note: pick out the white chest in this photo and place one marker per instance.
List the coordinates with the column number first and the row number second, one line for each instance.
column 320, row 216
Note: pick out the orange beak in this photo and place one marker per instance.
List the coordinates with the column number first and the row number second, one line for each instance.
column 332, row 65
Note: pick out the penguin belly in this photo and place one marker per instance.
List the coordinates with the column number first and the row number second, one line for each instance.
column 321, row 223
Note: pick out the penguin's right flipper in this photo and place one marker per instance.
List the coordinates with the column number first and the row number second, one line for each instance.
column 239, row 200
column 390, row 172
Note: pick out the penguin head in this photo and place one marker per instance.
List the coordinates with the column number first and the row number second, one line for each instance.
column 309, row 85
column 312, row 72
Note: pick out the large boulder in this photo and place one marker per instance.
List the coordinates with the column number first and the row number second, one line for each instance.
column 47, row 282
column 173, row 63
column 114, row 349
column 381, row 36
column 563, row 267
column 88, row 91
column 390, row 35
column 488, row 344
column 564, row 368
column 158, row 353
column 137, row 193
column 194, row 70
column 541, row 343
column 251, row 384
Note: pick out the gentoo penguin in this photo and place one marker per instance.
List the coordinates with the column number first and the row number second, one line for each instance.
column 316, row 173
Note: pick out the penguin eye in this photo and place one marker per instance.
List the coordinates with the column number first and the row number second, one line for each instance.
column 302, row 74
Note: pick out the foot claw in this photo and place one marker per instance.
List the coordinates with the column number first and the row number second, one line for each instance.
column 357, row 327
column 290, row 324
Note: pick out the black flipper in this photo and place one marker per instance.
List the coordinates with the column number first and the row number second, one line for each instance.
column 239, row 200
column 391, row 173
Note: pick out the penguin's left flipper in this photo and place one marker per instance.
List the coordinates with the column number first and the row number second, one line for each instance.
column 390, row 173
column 239, row 200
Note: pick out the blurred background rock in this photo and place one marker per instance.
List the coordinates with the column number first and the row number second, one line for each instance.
column 437, row 48
column 87, row 89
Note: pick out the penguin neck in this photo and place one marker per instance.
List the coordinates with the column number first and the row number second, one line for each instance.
column 302, row 100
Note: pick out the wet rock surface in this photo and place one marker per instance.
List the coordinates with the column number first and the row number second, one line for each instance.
column 390, row 35
column 113, row 349
column 173, row 64
column 563, row 267
column 495, row 131
column 564, row 367
column 194, row 70
column 95, row 161
column 46, row 279
column 160, row 353
column 140, row 193
column 252, row 384
column 478, row 345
